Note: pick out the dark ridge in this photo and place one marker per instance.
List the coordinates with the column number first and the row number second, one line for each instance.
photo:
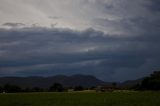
column 45, row 82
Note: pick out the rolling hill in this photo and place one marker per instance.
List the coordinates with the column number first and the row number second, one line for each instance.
column 45, row 82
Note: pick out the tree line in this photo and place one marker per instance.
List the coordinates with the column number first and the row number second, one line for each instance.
column 151, row 82
column 55, row 87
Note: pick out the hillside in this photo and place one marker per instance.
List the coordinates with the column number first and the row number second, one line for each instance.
column 45, row 82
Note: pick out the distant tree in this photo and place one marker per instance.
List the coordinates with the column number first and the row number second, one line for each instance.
column 37, row 89
column 114, row 84
column 1, row 89
column 78, row 88
column 11, row 88
column 27, row 90
column 152, row 82
column 135, row 87
column 92, row 88
column 56, row 87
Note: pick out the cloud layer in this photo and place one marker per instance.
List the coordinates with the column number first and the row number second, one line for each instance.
column 46, row 51
column 109, row 16
column 114, row 40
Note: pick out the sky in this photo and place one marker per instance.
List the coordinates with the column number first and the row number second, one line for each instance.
column 114, row 40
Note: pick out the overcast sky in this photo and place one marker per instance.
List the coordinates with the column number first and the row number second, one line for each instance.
column 114, row 40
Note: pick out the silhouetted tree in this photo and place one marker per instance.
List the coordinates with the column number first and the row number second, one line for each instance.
column 92, row 88
column 1, row 89
column 114, row 84
column 37, row 89
column 27, row 90
column 56, row 87
column 78, row 88
column 152, row 82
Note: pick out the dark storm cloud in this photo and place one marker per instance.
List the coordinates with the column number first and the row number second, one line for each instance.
column 37, row 50
column 126, row 46
column 154, row 6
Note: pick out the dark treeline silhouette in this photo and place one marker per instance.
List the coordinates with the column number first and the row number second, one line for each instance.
column 78, row 88
column 10, row 88
column 55, row 87
column 150, row 83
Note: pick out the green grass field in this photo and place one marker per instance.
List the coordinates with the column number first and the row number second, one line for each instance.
column 81, row 99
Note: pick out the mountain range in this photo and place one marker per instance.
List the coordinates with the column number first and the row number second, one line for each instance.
column 66, row 81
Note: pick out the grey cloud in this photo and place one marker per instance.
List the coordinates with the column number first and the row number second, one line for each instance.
column 65, row 51
column 10, row 24
column 154, row 6
column 55, row 17
column 128, row 17
column 114, row 16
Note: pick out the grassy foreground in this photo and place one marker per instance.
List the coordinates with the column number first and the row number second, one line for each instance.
column 81, row 99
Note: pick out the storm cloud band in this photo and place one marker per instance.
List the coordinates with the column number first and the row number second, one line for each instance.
column 114, row 40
